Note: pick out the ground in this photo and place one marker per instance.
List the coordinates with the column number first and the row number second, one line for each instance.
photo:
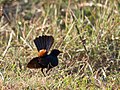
column 87, row 31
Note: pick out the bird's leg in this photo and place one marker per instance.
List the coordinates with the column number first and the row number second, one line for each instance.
column 49, row 67
column 47, row 70
column 42, row 72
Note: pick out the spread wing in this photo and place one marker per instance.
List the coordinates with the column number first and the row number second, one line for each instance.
column 34, row 63
column 44, row 42
column 37, row 63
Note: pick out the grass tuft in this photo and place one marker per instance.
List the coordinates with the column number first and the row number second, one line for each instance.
column 88, row 33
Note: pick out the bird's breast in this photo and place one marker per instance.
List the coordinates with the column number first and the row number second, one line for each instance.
column 53, row 60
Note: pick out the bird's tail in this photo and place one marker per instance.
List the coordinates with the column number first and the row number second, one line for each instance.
column 44, row 42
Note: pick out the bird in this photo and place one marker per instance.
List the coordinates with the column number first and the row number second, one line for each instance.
column 44, row 59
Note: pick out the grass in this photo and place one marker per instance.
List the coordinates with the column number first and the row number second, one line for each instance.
column 88, row 33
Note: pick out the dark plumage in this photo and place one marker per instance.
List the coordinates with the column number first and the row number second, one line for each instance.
column 44, row 60
column 44, row 42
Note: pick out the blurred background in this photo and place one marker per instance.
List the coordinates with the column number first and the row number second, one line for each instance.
column 87, row 31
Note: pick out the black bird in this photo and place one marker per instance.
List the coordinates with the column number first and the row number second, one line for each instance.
column 44, row 60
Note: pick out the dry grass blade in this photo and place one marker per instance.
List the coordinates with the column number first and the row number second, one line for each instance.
column 86, row 31
column 9, row 43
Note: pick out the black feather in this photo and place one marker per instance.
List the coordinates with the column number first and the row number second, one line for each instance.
column 44, row 42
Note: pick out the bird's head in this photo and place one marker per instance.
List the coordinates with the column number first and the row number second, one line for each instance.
column 55, row 52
